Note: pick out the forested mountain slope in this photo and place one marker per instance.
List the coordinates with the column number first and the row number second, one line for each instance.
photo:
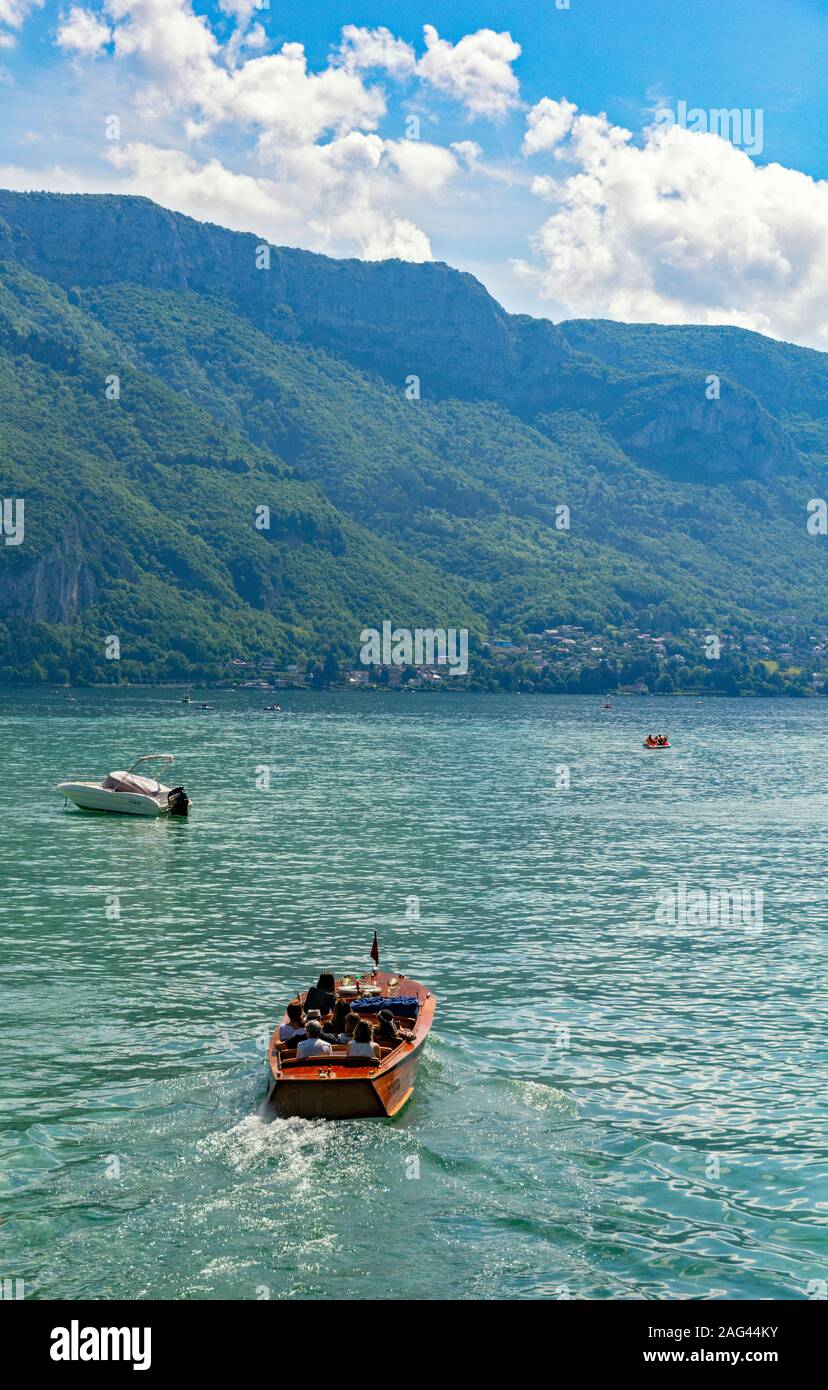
column 291, row 387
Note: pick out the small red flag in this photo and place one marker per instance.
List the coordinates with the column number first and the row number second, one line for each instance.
column 375, row 950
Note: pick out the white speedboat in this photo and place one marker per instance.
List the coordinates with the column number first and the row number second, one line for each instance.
column 128, row 794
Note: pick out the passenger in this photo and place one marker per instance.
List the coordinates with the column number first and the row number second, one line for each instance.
column 322, row 995
column 387, row 1033
column 348, row 1031
column 294, row 1029
column 340, row 1013
column 314, row 1044
column 361, row 1044
column 327, row 1032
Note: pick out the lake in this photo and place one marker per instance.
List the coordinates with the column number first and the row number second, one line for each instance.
column 613, row 1103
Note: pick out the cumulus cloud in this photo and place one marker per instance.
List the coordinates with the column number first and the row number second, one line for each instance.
column 671, row 225
column 289, row 104
column 317, row 215
column 83, row 32
column 14, row 12
column 240, row 10
column 362, row 49
column 174, row 45
column 426, row 168
column 476, row 71
column 548, row 123
column 326, row 178
column 682, row 228
column 468, row 150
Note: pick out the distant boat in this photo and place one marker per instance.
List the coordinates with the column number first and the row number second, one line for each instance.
column 654, row 742
column 354, row 1088
column 127, row 794
column 273, row 709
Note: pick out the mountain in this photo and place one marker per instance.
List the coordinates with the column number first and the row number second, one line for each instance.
column 414, row 444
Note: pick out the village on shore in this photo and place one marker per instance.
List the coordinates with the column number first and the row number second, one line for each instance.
column 569, row 659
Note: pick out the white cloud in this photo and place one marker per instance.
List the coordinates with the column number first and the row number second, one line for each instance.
column 684, row 228
column 426, row 168
column 674, row 226
column 477, row 70
column 14, row 12
column 326, row 178
column 83, row 32
column 548, row 123
column 467, row 150
column 292, row 105
column 362, row 49
column 55, row 180
column 182, row 58
column 316, row 214
column 240, row 10
column 171, row 42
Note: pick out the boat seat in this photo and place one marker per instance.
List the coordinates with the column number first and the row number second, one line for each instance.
column 340, row 1059
column 399, row 1019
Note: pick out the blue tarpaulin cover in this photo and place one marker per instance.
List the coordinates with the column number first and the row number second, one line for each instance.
column 404, row 1005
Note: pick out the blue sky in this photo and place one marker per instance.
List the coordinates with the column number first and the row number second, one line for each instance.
column 558, row 213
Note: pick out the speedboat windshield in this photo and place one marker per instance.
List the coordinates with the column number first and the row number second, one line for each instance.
column 153, row 758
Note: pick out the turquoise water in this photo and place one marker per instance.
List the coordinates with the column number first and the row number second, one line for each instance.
column 610, row 1106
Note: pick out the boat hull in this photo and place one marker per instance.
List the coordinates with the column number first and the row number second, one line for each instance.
column 336, row 1088
column 90, row 797
column 378, row 1096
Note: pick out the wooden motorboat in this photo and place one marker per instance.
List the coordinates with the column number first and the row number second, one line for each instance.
column 353, row 1088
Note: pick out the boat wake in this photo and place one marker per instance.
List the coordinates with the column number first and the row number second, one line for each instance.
column 296, row 1146
column 537, row 1095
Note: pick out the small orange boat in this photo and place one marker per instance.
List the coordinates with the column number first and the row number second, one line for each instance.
column 352, row 1088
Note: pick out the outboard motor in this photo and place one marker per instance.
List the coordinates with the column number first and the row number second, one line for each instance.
column 178, row 802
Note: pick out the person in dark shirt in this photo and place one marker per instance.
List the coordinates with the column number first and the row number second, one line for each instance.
column 322, row 995
column 341, row 1010
column 387, row 1033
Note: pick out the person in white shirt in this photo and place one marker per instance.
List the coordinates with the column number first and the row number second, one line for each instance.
column 294, row 1029
column 362, row 1045
column 314, row 1044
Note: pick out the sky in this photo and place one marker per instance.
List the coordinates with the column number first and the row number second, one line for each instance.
column 625, row 159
